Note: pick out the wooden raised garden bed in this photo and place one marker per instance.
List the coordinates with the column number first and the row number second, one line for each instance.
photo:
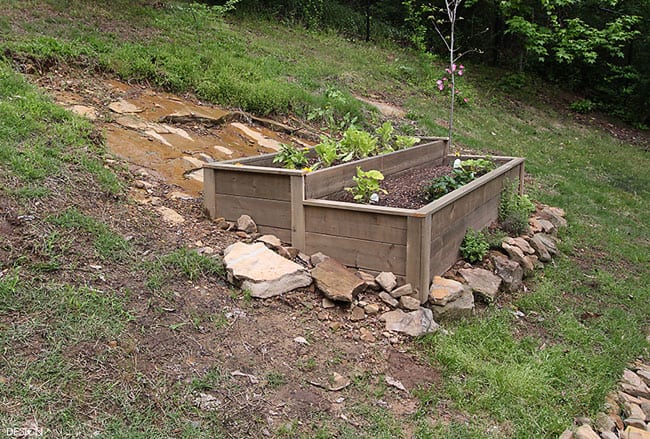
column 415, row 244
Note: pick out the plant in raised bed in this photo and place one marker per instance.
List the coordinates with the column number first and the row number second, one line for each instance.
column 463, row 173
column 367, row 187
column 327, row 150
column 357, row 143
column 475, row 246
column 291, row 157
column 514, row 210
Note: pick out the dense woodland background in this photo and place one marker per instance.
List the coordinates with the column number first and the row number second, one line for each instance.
column 599, row 49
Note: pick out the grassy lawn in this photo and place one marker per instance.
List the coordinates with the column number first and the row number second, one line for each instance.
column 587, row 314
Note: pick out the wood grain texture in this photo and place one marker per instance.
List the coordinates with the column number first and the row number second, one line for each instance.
column 209, row 192
column 297, row 212
column 270, row 213
column 354, row 224
column 359, row 253
column 253, row 184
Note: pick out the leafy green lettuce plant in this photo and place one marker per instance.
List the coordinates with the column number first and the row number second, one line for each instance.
column 367, row 187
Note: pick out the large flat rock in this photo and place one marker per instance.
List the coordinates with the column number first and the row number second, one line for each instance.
column 482, row 282
column 336, row 281
column 414, row 323
column 262, row 271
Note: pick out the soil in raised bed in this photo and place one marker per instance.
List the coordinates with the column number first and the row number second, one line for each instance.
column 405, row 189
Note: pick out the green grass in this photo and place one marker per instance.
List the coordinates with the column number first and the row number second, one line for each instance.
column 502, row 378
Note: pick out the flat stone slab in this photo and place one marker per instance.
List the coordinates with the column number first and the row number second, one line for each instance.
column 482, row 282
column 460, row 308
column 414, row 323
column 444, row 290
column 262, row 271
column 336, row 281
column 537, row 243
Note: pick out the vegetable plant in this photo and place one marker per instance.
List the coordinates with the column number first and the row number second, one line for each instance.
column 514, row 210
column 291, row 157
column 357, row 143
column 367, row 187
column 467, row 171
column 327, row 151
column 474, row 246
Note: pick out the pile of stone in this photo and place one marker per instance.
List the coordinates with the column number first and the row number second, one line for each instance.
column 626, row 414
column 266, row 268
column 452, row 297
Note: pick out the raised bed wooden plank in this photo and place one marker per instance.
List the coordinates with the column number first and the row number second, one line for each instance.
column 418, row 251
column 253, row 185
column 272, row 213
column 322, row 184
column 359, row 253
column 445, row 246
column 297, row 212
column 355, row 224
column 209, row 192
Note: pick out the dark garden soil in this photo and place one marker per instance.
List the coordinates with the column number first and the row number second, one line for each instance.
column 406, row 190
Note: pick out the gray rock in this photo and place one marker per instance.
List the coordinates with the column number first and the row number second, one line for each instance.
column 540, row 249
column 547, row 226
column 369, row 279
column 271, row 241
column 404, row 290
column 549, row 241
column 508, row 270
column 586, row 432
column 409, row 303
column 644, row 375
column 386, row 280
column 633, row 410
column 608, row 435
column 635, row 422
column 604, row 423
column 246, row 224
column 372, row 308
column 327, row 303
column 261, row 271
column 553, row 216
column 458, row 309
column 222, row 223
column 566, row 434
column 357, row 314
column 634, row 385
column 415, row 323
column 521, row 243
column 518, row 256
column 482, row 282
column 337, row 282
column 645, row 407
column 443, row 291
column 317, row 258
column 388, row 299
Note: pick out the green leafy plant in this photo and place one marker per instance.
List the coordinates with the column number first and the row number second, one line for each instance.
column 514, row 210
column 291, row 157
column 474, row 246
column 478, row 167
column 327, row 151
column 582, row 106
column 385, row 134
column 467, row 171
column 357, row 143
column 367, row 185
column 404, row 142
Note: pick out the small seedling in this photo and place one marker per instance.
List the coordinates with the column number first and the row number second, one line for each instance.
column 367, row 188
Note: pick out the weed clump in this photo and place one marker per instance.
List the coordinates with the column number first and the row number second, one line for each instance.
column 514, row 211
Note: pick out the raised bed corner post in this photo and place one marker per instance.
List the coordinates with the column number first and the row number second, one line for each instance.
column 418, row 254
column 521, row 178
column 209, row 192
column 298, row 212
